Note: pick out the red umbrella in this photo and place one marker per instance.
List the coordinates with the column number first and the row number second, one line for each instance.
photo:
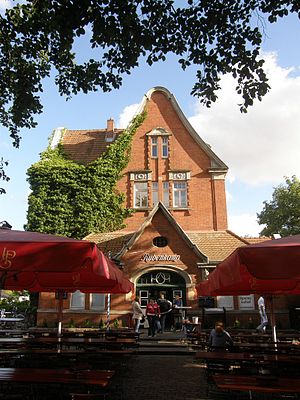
column 273, row 259
column 269, row 267
column 42, row 263
column 232, row 277
column 32, row 251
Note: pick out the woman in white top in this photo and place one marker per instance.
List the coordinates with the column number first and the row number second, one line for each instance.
column 137, row 313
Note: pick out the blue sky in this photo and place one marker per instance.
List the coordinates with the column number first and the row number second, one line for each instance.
column 260, row 148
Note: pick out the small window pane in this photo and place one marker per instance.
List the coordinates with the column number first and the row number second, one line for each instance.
column 140, row 194
column 166, row 199
column 154, row 148
column 98, row 301
column 180, row 194
column 78, row 300
column 154, row 193
column 165, row 147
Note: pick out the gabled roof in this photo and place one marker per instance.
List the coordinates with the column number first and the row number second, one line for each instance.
column 160, row 206
column 85, row 146
column 216, row 162
column 216, row 245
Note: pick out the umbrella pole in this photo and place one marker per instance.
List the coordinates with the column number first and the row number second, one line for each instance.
column 273, row 321
column 60, row 309
column 108, row 312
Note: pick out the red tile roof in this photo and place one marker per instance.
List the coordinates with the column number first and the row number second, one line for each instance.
column 253, row 240
column 85, row 146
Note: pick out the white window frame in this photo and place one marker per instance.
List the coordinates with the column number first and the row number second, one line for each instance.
column 154, row 147
column 139, row 191
column 77, row 301
column 144, row 297
column 166, row 193
column 165, row 147
column 97, row 301
column 154, row 193
column 180, row 201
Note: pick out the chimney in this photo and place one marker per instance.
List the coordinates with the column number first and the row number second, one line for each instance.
column 110, row 125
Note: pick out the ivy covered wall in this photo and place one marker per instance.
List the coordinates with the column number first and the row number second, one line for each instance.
column 74, row 200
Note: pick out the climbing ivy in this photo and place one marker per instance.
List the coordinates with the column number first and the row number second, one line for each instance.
column 74, row 200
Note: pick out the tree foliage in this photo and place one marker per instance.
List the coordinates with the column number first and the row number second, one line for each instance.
column 282, row 214
column 73, row 199
column 40, row 36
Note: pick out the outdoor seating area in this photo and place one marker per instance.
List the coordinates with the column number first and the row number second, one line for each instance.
column 256, row 364
column 68, row 365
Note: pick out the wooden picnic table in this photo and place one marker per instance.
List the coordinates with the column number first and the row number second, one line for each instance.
column 99, row 378
column 68, row 342
column 267, row 347
column 238, row 358
column 65, row 358
column 262, row 384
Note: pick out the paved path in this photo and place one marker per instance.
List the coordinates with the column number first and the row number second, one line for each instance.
column 169, row 373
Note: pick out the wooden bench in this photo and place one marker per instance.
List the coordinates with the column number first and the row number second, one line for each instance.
column 262, row 384
column 98, row 378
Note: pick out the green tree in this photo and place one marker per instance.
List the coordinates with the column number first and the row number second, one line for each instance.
column 39, row 37
column 282, row 214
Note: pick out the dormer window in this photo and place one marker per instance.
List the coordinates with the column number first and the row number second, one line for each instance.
column 109, row 137
column 159, row 142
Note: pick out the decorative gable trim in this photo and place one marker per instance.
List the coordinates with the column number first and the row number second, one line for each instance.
column 158, row 132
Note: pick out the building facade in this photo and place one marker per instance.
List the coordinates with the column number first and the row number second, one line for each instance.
column 178, row 233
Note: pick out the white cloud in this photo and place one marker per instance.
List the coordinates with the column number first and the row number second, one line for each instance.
column 262, row 146
column 126, row 115
column 4, row 4
column 244, row 225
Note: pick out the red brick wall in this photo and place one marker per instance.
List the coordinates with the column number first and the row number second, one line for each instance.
column 207, row 203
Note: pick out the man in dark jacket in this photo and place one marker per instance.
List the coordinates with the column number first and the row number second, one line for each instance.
column 165, row 307
column 219, row 339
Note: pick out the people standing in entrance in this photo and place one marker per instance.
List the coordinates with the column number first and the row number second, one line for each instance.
column 219, row 339
column 137, row 313
column 263, row 316
column 153, row 314
column 177, row 312
column 165, row 307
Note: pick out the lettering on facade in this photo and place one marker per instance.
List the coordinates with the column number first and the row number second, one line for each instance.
column 246, row 302
column 160, row 257
column 6, row 258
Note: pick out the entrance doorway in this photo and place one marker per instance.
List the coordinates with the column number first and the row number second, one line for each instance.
column 155, row 282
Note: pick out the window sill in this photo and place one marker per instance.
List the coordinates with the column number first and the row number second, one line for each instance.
column 179, row 208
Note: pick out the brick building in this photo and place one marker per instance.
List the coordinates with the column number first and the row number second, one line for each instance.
column 176, row 185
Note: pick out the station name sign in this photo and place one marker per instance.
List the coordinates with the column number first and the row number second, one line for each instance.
column 160, row 257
